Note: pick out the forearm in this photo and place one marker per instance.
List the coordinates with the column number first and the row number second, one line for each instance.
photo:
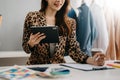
column 27, row 48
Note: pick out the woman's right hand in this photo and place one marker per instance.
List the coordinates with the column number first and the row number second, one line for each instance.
column 98, row 59
column 35, row 39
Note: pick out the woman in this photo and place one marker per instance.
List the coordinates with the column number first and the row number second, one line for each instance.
column 54, row 12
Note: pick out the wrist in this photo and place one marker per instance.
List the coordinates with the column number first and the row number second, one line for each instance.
column 30, row 44
column 90, row 61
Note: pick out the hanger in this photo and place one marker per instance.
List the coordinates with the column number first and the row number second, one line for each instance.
column 83, row 1
column 93, row 1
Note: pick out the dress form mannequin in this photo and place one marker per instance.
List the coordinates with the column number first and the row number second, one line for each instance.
column 75, row 4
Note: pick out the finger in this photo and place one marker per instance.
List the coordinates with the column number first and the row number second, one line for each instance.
column 35, row 35
column 42, row 34
column 38, row 35
column 31, row 34
column 40, row 38
column 32, row 39
column 37, row 38
column 96, row 56
column 102, row 57
column 100, row 60
column 101, row 63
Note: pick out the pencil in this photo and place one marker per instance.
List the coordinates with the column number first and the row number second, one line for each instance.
column 114, row 65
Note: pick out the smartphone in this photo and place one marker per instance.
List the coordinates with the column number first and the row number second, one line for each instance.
column 41, row 69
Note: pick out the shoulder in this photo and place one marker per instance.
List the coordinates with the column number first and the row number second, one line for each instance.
column 70, row 21
column 34, row 13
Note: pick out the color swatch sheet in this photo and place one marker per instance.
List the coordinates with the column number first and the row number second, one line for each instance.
column 17, row 73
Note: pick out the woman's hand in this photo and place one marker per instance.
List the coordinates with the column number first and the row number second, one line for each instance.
column 98, row 59
column 35, row 39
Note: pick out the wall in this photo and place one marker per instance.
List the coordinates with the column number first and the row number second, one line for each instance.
column 9, row 58
column 11, row 30
column 13, row 61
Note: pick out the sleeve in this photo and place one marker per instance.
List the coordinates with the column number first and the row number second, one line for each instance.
column 74, row 49
column 26, row 34
column 93, row 28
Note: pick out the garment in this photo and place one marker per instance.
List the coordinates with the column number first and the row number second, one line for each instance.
column 117, row 33
column 52, row 45
column 52, row 49
column 72, row 14
column 40, row 54
column 109, row 16
column 85, row 30
column 101, row 41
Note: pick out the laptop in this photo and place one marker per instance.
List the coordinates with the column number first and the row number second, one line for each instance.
column 51, row 32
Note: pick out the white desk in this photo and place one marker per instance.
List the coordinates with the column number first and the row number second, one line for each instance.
column 112, row 74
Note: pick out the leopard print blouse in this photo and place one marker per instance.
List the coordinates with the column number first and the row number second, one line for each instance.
column 40, row 54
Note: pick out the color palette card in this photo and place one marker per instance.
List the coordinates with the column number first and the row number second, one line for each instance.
column 17, row 73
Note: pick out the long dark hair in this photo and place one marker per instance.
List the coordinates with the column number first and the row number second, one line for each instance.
column 60, row 17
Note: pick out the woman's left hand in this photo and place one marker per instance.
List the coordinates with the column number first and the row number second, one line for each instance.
column 98, row 59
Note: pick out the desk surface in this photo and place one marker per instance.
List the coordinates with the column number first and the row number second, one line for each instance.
column 112, row 74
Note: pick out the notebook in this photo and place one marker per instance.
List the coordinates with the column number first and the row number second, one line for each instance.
column 51, row 32
column 85, row 67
